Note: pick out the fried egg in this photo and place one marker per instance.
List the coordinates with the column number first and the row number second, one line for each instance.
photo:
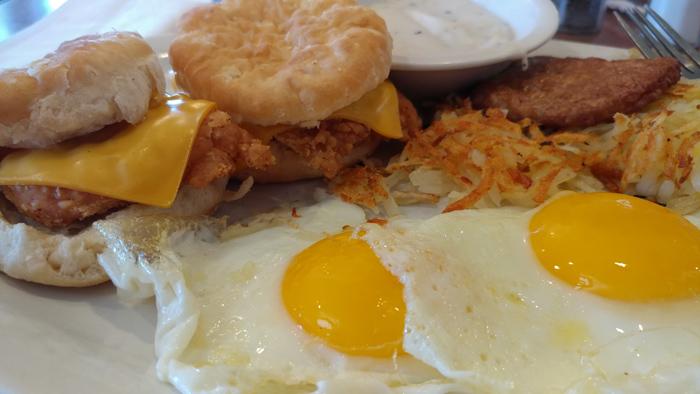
column 589, row 293
column 237, row 311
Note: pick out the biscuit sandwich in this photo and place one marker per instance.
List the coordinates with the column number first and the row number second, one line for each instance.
column 309, row 78
column 87, row 133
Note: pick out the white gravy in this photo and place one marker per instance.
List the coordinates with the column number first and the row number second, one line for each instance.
column 427, row 28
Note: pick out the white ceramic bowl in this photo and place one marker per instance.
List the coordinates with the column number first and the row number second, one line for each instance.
column 533, row 23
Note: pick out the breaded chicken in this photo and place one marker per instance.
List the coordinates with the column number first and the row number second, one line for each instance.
column 573, row 93
column 222, row 146
column 411, row 123
column 326, row 146
column 219, row 148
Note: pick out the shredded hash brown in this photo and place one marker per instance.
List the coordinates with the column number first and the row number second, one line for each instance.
column 481, row 159
column 653, row 153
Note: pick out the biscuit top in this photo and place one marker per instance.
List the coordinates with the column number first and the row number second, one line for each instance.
column 273, row 62
column 86, row 84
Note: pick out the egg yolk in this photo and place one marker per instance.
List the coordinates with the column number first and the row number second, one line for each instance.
column 618, row 247
column 338, row 290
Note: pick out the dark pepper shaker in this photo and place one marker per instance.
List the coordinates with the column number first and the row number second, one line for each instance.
column 580, row 16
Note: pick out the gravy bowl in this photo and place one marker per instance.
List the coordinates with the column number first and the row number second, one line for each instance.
column 431, row 73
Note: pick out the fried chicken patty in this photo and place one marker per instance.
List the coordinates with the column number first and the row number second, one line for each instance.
column 572, row 93
column 325, row 147
column 220, row 147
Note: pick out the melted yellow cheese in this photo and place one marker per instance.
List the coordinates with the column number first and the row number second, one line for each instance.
column 141, row 163
column 377, row 109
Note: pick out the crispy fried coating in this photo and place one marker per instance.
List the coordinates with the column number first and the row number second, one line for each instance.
column 219, row 149
column 326, row 146
column 411, row 123
column 222, row 146
column 573, row 93
column 360, row 185
column 56, row 207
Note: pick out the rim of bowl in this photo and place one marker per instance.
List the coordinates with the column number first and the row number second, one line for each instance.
column 545, row 29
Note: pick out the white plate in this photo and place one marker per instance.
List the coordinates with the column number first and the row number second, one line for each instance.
column 84, row 340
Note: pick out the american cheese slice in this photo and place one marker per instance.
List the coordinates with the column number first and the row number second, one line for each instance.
column 141, row 163
column 377, row 109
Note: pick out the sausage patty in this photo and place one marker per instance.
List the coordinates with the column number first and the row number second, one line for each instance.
column 572, row 93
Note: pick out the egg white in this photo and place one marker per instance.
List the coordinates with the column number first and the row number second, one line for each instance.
column 222, row 325
column 480, row 308
column 482, row 315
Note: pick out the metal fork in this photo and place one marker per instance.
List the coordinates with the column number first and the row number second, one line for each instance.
column 665, row 42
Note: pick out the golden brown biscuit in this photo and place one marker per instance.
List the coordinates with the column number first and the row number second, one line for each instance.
column 86, row 84
column 281, row 62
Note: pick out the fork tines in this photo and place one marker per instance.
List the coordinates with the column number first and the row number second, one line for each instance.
column 655, row 37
